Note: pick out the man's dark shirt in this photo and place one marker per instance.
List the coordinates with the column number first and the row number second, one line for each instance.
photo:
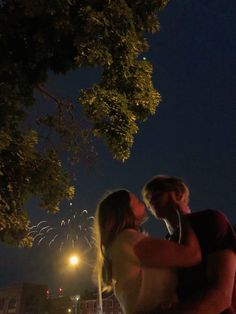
column 214, row 234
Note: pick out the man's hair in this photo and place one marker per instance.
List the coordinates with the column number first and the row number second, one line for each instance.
column 163, row 183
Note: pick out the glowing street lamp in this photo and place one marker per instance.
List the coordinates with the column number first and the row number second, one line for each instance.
column 74, row 260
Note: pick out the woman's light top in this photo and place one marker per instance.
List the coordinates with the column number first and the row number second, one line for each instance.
column 139, row 288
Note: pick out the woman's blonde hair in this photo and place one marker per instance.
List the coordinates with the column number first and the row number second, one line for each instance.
column 113, row 214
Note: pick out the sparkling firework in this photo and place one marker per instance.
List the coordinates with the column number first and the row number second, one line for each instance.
column 68, row 232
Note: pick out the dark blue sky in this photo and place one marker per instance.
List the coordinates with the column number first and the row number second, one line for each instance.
column 193, row 134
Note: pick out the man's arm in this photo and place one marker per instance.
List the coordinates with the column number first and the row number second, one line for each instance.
column 216, row 297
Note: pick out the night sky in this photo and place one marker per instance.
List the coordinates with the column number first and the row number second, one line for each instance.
column 192, row 135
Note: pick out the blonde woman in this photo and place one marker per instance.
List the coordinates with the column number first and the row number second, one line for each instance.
column 140, row 269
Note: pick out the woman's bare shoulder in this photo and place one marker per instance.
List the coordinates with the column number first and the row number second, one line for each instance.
column 129, row 237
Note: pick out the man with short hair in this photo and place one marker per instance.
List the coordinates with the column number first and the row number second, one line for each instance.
column 208, row 287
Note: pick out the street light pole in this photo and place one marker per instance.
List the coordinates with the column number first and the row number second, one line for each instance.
column 75, row 300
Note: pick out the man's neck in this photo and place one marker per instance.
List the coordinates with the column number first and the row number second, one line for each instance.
column 171, row 225
column 172, row 221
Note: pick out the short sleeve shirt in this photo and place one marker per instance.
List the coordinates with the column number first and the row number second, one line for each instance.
column 214, row 233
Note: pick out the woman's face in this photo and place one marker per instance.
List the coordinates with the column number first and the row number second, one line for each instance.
column 138, row 208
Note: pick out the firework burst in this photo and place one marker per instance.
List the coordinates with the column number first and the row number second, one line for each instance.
column 70, row 232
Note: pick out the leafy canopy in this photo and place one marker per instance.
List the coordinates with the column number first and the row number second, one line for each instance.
column 62, row 35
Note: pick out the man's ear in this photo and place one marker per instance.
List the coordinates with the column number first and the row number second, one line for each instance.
column 177, row 197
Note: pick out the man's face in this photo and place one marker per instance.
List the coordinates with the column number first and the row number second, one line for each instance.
column 162, row 204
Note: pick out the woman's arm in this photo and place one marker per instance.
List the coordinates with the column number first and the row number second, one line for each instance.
column 162, row 253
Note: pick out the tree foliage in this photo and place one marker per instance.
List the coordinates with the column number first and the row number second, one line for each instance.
column 62, row 35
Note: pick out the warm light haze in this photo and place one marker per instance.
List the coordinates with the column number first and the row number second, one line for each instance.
column 74, row 260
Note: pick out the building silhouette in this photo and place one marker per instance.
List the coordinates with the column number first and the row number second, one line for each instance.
column 89, row 304
column 23, row 298
column 29, row 298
